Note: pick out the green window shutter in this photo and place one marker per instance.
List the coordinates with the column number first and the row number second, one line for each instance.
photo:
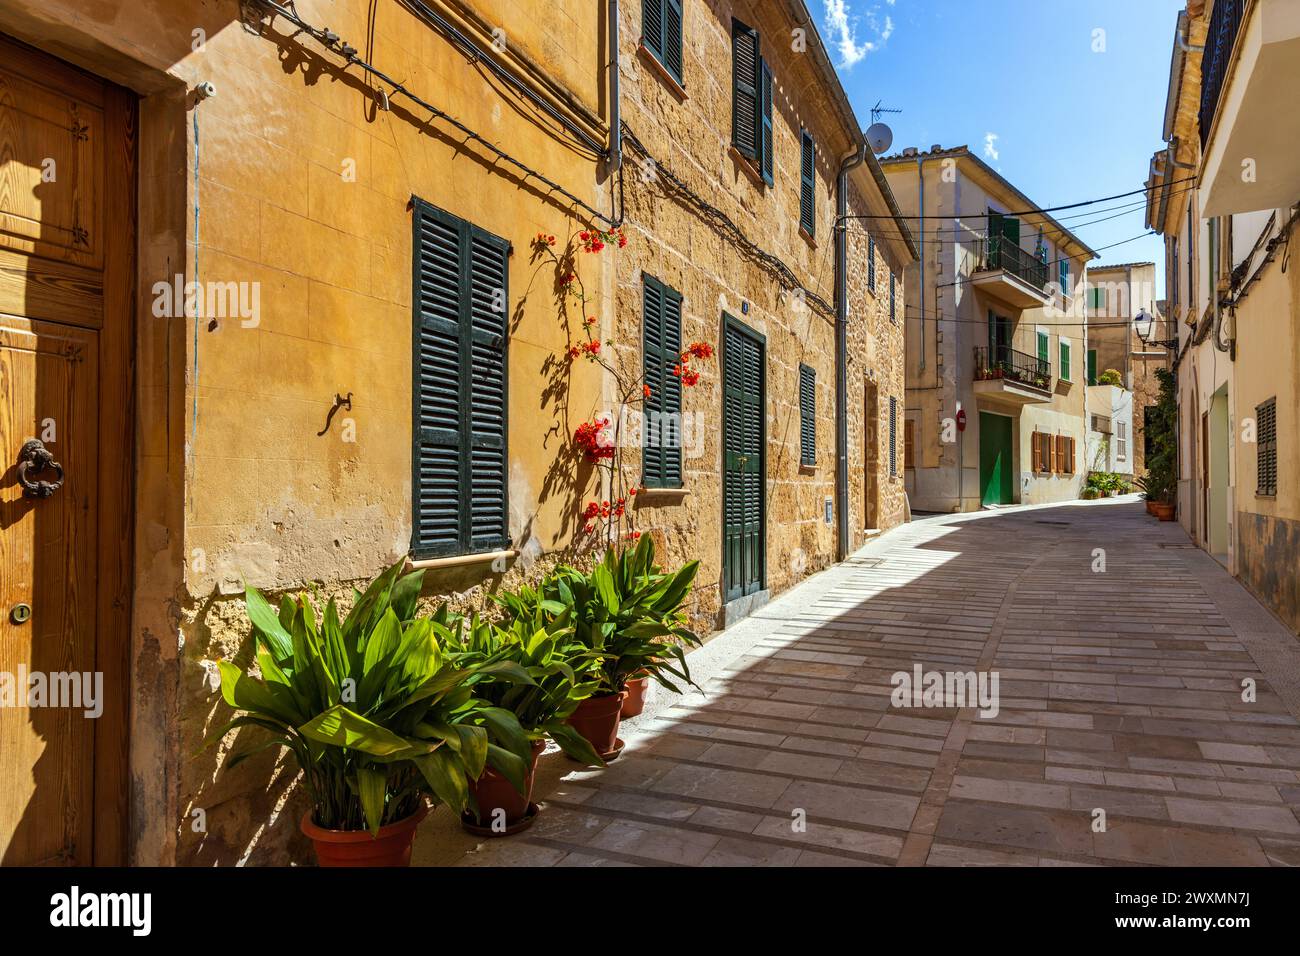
column 893, row 312
column 1064, row 266
column 807, row 415
column 661, row 33
column 1092, row 366
column 893, row 436
column 871, row 263
column 1065, row 361
column 652, row 27
column 459, row 389
column 768, row 162
column 807, row 192
column 489, row 268
column 1043, row 351
column 745, row 83
column 662, row 344
column 673, row 39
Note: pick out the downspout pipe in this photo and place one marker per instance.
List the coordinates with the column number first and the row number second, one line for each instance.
column 920, row 246
column 615, row 158
column 847, row 164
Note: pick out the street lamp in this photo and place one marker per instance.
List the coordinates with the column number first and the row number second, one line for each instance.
column 1145, row 324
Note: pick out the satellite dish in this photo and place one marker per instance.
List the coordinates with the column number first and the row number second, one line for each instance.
column 879, row 137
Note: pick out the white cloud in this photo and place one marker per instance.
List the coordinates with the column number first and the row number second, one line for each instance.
column 990, row 149
column 842, row 26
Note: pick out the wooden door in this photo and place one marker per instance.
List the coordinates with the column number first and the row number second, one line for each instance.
column 1205, row 479
column 997, row 485
column 67, row 236
column 743, row 468
column 871, row 460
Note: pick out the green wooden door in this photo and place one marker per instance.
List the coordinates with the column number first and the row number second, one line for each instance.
column 996, row 486
column 743, row 472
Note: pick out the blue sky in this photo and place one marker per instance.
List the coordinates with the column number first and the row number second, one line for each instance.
column 1068, row 123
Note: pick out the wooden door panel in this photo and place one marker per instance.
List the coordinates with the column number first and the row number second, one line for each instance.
column 48, row 384
column 67, row 295
column 52, row 148
column 743, row 480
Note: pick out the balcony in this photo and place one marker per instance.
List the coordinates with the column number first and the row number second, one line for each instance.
column 1004, row 375
column 1248, row 122
column 1012, row 275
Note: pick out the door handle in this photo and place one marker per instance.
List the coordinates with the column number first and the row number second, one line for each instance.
column 33, row 459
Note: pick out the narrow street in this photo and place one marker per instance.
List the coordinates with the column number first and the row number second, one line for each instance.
column 1120, row 692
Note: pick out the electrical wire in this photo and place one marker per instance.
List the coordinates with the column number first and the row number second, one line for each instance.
column 1037, row 211
column 335, row 44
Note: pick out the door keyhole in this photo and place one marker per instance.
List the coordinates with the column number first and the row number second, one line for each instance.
column 21, row 613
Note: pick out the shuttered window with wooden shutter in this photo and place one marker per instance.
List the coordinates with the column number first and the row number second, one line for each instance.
column 807, row 185
column 767, row 162
column 1266, row 448
column 893, row 436
column 661, row 451
column 746, row 84
column 871, row 263
column 661, row 33
column 909, row 443
column 807, row 416
column 459, row 404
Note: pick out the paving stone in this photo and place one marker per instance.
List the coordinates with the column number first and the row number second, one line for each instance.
column 1119, row 691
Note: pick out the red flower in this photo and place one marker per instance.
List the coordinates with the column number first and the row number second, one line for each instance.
column 595, row 443
column 645, row 390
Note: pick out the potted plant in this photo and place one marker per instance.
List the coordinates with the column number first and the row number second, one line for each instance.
column 562, row 673
column 1161, row 481
column 627, row 611
column 375, row 714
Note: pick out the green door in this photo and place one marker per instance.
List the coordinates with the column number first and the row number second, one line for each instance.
column 995, row 459
column 743, row 395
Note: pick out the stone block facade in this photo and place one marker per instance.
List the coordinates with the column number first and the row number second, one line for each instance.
column 276, row 449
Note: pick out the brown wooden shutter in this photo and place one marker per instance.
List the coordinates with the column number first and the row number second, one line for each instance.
column 1037, row 453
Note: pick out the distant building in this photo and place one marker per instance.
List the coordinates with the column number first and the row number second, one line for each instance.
column 996, row 331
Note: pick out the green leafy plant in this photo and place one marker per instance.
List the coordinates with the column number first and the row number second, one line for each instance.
column 626, row 610
column 562, row 671
column 1161, row 480
column 374, row 710
column 1111, row 377
column 1104, row 482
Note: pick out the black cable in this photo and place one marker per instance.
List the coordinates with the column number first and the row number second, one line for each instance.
column 729, row 228
column 335, row 45
column 1039, row 210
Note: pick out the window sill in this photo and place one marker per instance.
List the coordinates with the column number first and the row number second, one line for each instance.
column 658, row 497
column 661, row 71
column 748, row 166
column 807, row 469
column 459, row 560
column 807, row 237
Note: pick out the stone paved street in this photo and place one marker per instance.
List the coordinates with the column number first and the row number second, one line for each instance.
column 1120, row 691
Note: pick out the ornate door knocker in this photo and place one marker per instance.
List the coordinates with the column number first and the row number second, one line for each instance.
column 33, row 459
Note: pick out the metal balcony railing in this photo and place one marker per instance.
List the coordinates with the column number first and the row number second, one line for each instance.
column 1225, row 22
column 1001, row 362
column 1001, row 253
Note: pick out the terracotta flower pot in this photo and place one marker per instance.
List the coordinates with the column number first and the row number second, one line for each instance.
column 635, row 703
column 1151, row 507
column 492, row 791
column 391, row 847
column 1163, row 511
column 597, row 719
